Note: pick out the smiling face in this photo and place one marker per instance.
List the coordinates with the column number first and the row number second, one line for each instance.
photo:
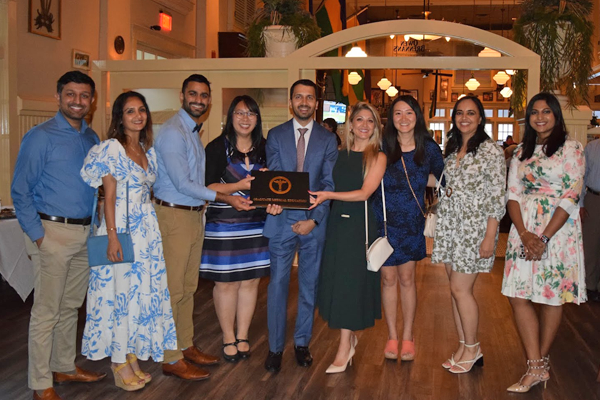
column 303, row 103
column 405, row 118
column 542, row 119
column 195, row 99
column 363, row 125
column 74, row 102
column 135, row 116
column 467, row 117
column 244, row 120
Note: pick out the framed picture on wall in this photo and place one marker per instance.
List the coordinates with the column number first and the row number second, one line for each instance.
column 44, row 18
column 376, row 97
column 415, row 93
column 454, row 97
column 488, row 96
column 80, row 60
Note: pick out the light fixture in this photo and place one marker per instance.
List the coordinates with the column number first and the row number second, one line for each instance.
column 487, row 52
column 354, row 78
column 165, row 21
column 447, row 38
column 461, row 96
column 506, row 92
column 392, row 36
column 416, row 36
column 501, row 78
column 391, row 91
column 356, row 52
column 472, row 84
column 510, row 72
column 384, row 83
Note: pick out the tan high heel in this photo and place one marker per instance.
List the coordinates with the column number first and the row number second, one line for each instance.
column 131, row 358
column 129, row 385
column 450, row 362
column 477, row 360
column 543, row 377
column 334, row 369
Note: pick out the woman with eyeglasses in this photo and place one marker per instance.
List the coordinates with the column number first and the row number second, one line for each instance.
column 236, row 254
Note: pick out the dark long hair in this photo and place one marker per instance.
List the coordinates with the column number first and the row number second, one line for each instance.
column 455, row 140
column 116, row 129
column 557, row 136
column 229, row 132
column 391, row 146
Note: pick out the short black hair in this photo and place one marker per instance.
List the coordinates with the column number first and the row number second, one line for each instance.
column 303, row 82
column 332, row 124
column 75, row 77
column 195, row 78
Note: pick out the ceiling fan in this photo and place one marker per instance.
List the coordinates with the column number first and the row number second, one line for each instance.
column 426, row 73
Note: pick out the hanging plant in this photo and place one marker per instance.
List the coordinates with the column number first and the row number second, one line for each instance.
column 289, row 13
column 561, row 33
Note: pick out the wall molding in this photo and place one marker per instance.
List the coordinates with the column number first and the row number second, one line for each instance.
column 181, row 6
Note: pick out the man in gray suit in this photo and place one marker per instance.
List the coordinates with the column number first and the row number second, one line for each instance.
column 297, row 145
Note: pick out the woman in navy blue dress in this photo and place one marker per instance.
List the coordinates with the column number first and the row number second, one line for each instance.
column 412, row 156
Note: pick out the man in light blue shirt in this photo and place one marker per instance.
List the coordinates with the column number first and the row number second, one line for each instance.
column 590, row 217
column 180, row 195
column 54, row 207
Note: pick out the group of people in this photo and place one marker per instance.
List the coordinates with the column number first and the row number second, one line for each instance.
column 144, row 309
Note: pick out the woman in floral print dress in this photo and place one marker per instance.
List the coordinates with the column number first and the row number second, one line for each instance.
column 468, row 217
column 544, row 255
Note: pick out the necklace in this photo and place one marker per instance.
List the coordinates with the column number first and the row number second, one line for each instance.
column 246, row 151
column 133, row 151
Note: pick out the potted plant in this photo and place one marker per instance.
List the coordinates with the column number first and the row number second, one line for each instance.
column 285, row 21
column 561, row 33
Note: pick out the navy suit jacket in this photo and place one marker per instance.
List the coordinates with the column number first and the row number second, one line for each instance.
column 321, row 155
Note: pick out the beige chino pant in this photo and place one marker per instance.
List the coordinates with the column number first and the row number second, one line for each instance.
column 591, row 241
column 61, row 274
column 183, row 236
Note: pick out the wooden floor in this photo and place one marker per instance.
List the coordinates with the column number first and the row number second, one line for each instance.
column 574, row 357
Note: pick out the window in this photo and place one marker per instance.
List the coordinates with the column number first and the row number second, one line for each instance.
column 440, row 112
column 243, row 13
column 596, row 114
column 439, row 131
column 489, row 129
column 504, row 130
column 489, row 113
column 503, row 114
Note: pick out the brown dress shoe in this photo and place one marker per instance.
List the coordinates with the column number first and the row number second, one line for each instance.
column 194, row 355
column 185, row 370
column 80, row 375
column 48, row 394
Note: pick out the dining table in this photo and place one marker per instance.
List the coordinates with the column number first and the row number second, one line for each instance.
column 15, row 266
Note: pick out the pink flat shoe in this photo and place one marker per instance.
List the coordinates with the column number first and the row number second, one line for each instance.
column 408, row 350
column 391, row 349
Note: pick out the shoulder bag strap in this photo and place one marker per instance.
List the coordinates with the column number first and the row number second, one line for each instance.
column 410, row 186
column 367, row 218
column 95, row 207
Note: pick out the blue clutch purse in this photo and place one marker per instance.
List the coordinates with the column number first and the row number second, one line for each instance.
column 97, row 245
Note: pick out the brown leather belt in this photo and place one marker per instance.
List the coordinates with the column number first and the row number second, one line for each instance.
column 592, row 191
column 72, row 221
column 173, row 205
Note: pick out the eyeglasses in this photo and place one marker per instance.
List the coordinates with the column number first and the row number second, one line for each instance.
column 242, row 114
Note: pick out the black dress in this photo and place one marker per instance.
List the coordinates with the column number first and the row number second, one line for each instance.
column 349, row 296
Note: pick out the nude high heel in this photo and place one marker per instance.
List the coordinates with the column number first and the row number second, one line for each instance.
column 450, row 362
column 519, row 387
column 334, row 369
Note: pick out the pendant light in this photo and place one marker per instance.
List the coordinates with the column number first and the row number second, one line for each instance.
column 384, row 83
column 472, row 84
column 506, row 92
column 501, row 77
column 356, row 51
column 354, row 78
column 510, row 72
column 391, row 91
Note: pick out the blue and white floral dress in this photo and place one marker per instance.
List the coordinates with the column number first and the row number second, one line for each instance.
column 128, row 305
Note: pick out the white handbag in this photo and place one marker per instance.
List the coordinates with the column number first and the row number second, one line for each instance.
column 431, row 216
column 380, row 250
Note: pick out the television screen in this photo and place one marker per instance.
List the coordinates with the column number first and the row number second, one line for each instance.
column 334, row 110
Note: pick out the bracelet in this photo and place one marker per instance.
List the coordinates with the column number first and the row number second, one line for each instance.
column 545, row 239
column 111, row 229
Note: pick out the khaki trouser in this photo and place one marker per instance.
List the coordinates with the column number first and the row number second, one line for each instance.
column 61, row 274
column 183, row 236
column 591, row 241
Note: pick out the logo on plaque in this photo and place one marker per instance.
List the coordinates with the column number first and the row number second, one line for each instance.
column 280, row 185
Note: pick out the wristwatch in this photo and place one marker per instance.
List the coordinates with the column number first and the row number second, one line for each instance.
column 315, row 221
column 545, row 239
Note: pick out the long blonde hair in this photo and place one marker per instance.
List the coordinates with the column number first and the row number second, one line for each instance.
column 374, row 146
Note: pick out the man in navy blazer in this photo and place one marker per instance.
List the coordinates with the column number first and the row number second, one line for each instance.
column 297, row 229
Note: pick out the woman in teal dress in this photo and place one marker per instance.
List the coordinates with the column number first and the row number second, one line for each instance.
column 349, row 296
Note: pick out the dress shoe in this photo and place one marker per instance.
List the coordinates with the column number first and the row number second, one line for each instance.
column 243, row 354
column 194, row 355
column 593, row 295
column 303, row 356
column 48, row 394
column 273, row 361
column 80, row 375
column 185, row 370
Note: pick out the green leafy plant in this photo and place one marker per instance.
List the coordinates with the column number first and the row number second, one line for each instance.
column 289, row 13
column 561, row 33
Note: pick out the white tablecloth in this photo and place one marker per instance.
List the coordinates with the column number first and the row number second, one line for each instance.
column 15, row 266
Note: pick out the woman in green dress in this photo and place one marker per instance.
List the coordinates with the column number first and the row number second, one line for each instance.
column 349, row 296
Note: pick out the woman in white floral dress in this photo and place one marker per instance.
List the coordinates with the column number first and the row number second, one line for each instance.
column 129, row 311
column 468, row 217
column 544, row 255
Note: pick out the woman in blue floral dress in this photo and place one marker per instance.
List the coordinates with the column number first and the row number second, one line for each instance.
column 129, row 313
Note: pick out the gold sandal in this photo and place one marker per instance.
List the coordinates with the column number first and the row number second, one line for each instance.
column 129, row 385
column 131, row 358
